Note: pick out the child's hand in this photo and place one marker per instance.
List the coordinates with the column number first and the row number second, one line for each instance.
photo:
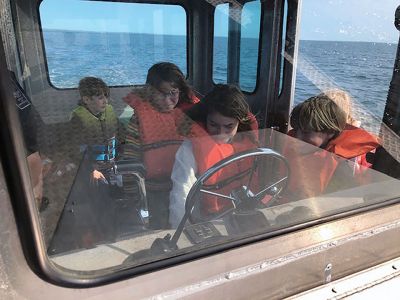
column 98, row 176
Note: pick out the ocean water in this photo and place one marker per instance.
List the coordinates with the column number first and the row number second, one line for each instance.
column 361, row 68
column 118, row 58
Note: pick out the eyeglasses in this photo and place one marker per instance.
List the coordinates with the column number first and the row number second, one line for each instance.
column 171, row 93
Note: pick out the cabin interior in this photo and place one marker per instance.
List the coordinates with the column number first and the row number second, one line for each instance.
column 271, row 98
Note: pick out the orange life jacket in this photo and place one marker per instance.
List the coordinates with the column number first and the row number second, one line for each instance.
column 354, row 143
column 311, row 173
column 207, row 153
column 159, row 137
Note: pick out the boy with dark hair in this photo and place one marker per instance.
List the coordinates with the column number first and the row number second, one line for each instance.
column 319, row 121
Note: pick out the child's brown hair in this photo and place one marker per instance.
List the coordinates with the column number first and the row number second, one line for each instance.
column 225, row 99
column 319, row 114
column 169, row 72
column 92, row 86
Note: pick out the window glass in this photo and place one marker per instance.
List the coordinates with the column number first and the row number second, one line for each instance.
column 113, row 196
column 349, row 55
column 265, row 201
column 352, row 49
column 117, row 41
column 221, row 18
column 249, row 17
column 249, row 44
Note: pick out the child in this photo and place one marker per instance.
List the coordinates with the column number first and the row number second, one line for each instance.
column 213, row 132
column 94, row 125
column 321, row 122
column 152, row 137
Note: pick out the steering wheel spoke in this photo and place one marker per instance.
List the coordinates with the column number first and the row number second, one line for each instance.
column 217, row 194
column 262, row 192
column 200, row 187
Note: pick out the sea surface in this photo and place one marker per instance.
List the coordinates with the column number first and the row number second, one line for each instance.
column 363, row 69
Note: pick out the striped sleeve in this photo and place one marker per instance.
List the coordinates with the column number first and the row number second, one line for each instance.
column 132, row 140
column 132, row 151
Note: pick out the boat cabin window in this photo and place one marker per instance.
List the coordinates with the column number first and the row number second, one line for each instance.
column 107, row 176
column 110, row 38
column 236, row 44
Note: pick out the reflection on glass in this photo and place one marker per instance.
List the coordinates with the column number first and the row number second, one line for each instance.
column 97, row 227
column 220, row 57
column 243, row 24
column 249, row 43
column 259, row 203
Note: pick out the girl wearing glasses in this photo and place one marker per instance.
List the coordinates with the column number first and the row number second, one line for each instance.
column 152, row 138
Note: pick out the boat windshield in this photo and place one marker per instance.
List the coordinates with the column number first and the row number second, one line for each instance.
column 264, row 189
column 134, row 161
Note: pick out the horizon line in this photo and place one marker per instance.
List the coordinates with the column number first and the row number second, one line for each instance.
column 127, row 32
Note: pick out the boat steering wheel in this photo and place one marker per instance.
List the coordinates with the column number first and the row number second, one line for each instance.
column 238, row 195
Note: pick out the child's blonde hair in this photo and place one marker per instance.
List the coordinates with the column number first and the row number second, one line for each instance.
column 344, row 101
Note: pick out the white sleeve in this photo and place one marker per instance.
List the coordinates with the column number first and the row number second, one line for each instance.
column 183, row 177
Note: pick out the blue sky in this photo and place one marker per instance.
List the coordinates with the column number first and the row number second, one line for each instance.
column 112, row 17
column 349, row 20
column 138, row 18
column 342, row 20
